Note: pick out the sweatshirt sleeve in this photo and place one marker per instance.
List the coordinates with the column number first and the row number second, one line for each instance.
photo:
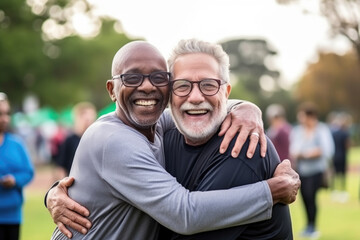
column 140, row 180
column 166, row 122
column 25, row 172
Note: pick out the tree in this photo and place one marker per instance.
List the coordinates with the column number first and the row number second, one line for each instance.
column 333, row 83
column 43, row 54
column 22, row 61
column 80, row 71
column 343, row 17
column 248, row 63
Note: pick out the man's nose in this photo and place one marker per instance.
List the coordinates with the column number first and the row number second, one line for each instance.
column 196, row 96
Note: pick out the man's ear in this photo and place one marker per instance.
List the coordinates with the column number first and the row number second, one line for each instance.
column 110, row 88
column 228, row 90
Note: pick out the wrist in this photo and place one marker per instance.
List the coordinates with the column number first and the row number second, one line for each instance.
column 232, row 104
column 52, row 186
column 276, row 188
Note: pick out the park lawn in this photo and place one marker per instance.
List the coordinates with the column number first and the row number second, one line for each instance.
column 37, row 222
column 336, row 220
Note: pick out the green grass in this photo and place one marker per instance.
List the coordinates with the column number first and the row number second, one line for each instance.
column 37, row 222
column 336, row 221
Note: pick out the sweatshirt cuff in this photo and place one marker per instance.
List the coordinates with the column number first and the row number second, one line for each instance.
column 52, row 186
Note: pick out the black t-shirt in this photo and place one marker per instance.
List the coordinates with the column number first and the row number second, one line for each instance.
column 203, row 168
column 67, row 151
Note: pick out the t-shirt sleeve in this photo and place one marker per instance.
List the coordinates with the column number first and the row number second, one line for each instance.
column 135, row 176
column 273, row 156
column 25, row 172
column 166, row 122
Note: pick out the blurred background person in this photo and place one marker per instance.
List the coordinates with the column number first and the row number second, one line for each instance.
column 340, row 123
column 16, row 171
column 311, row 147
column 84, row 114
column 279, row 130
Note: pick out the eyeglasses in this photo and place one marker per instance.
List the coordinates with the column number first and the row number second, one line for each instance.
column 158, row 79
column 208, row 86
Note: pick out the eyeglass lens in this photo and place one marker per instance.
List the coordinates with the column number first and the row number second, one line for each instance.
column 156, row 78
column 207, row 87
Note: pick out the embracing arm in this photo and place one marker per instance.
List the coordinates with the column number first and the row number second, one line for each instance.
column 186, row 212
column 147, row 186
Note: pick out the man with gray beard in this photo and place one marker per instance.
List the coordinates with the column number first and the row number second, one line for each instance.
column 200, row 89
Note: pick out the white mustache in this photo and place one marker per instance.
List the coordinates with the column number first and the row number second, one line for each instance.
column 189, row 106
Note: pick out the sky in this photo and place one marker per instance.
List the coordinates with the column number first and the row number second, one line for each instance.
column 294, row 35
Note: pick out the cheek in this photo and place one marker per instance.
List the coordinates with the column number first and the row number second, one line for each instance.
column 124, row 93
column 176, row 101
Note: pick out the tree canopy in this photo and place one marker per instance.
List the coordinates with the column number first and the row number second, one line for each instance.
column 60, row 72
column 343, row 17
column 333, row 83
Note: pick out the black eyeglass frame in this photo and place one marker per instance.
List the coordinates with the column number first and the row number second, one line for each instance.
column 219, row 82
column 121, row 77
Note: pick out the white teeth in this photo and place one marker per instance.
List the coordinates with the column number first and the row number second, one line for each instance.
column 196, row 111
column 145, row 102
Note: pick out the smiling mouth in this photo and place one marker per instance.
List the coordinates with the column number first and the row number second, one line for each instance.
column 145, row 102
column 197, row 112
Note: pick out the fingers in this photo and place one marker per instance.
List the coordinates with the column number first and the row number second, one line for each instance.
column 225, row 125
column 62, row 203
column 257, row 135
column 254, row 139
column 245, row 119
column 286, row 162
column 230, row 131
column 294, row 189
column 64, row 230
column 75, row 222
column 66, row 182
column 283, row 167
column 66, row 211
column 240, row 140
column 8, row 181
column 285, row 184
column 77, row 208
column 263, row 144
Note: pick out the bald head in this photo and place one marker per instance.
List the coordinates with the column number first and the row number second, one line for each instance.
column 138, row 106
column 135, row 50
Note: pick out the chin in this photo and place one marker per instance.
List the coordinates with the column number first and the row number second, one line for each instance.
column 198, row 133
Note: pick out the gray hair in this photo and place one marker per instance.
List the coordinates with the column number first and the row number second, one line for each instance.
column 188, row 46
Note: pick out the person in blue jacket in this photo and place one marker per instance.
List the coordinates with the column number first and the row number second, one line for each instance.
column 16, row 171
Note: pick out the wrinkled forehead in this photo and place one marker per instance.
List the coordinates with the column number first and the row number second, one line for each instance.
column 196, row 66
column 138, row 57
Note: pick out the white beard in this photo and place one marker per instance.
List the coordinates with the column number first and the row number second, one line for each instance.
column 199, row 131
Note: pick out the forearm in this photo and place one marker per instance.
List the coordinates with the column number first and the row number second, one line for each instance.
column 231, row 103
column 154, row 191
column 312, row 154
column 189, row 213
